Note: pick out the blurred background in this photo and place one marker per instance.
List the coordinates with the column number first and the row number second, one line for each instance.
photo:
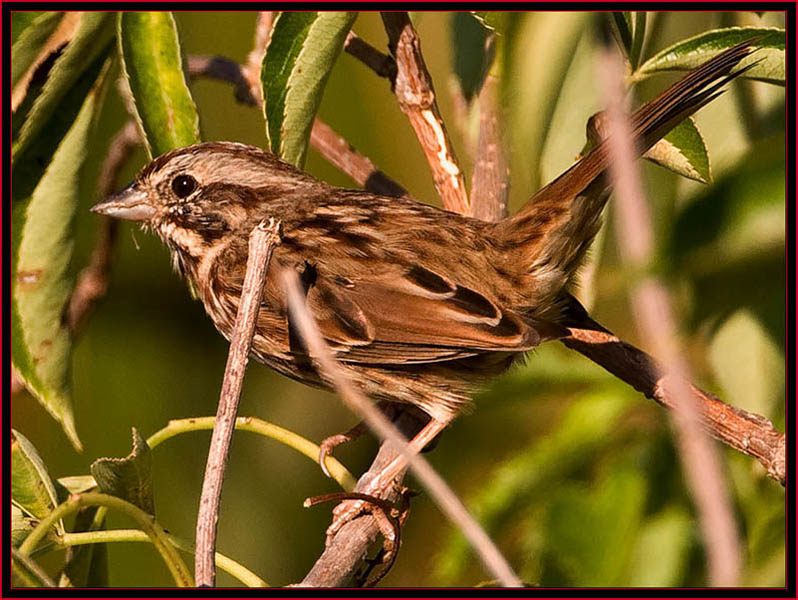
column 573, row 473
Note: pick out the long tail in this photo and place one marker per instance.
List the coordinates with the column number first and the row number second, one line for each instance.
column 552, row 232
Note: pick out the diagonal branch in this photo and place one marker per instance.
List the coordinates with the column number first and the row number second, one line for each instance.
column 490, row 181
column 741, row 430
column 262, row 242
column 416, row 96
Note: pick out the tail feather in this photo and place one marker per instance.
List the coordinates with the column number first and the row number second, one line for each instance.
column 554, row 229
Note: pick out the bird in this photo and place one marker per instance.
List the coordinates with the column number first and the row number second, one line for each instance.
column 420, row 306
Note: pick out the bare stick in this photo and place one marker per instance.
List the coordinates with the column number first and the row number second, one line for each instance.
column 416, row 96
column 490, row 181
column 739, row 429
column 437, row 488
column 341, row 154
column 654, row 315
column 262, row 242
column 224, row 69
column 382, row 64
column 251, row 71
column 92, row 282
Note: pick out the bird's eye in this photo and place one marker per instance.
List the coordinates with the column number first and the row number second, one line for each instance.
column 183, row 185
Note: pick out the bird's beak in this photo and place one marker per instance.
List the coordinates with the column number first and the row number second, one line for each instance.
column 130, row 203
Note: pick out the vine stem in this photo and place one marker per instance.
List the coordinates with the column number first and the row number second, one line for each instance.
column 145, row 521
column 254, row 425
column 225, row 563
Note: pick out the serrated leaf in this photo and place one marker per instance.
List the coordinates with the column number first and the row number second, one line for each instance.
column 129, row 478
column 299, row 59
column 86, row 565
column 30, row 40
column 42, row 281
column 470, row 61
column 32, row 489
column 683, row 151
column 687, row 54
column 152, row 62
column 492, row 20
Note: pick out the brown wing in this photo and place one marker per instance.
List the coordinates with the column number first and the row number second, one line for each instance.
column 416, row 316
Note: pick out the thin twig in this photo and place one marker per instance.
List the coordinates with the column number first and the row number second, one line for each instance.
column 262, row 242
column 382, row 64
column 437, row 488
column 416, row 96
column 654, row 315
column 224, row 69
column 490, row 181
column 251, row 70
column 342, row 155
column 92, row 282
column 739, row 429
column 338, row 565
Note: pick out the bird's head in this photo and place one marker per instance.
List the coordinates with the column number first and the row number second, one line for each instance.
column 195, row 196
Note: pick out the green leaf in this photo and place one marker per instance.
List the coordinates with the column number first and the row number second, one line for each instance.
column 42, row 280
column 299, row 59
column 32, row 489
column 470, row 61
column 623, row 24
column 129, row 478
column 662, row 550
column 538, row 63
column 30, row 40
column 747, row 363
column 585, row 427
column 731, row 237
column 689, row 53
column 32, row 92
column 742, row 213
column 683, row 151
column 57, row 106
column 151, row 58
column 592, row 531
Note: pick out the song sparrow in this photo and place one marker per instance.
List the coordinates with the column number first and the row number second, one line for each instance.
column 419, row 305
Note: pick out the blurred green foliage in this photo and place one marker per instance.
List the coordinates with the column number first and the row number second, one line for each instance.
column 574, row 474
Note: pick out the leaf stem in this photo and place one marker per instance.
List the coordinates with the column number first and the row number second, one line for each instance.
column 228, row 565
column 264, row 428
column 146, row 522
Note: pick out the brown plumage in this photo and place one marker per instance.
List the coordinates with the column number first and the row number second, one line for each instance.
column 420, row 305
